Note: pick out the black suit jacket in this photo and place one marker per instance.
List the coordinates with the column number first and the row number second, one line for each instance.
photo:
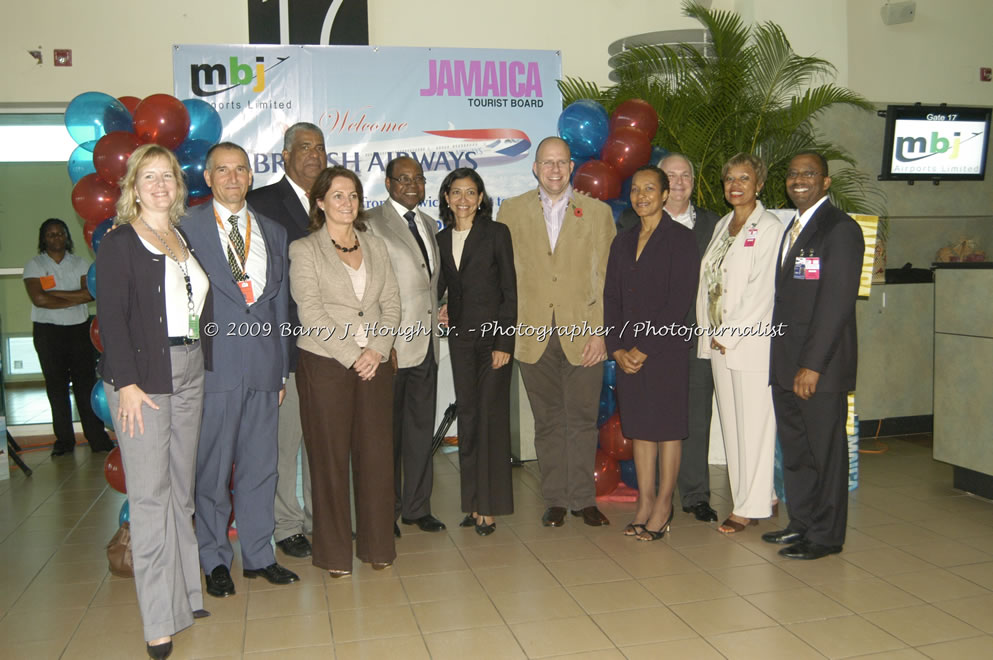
column 483, row 289
column 279, row 202
column 819, row 315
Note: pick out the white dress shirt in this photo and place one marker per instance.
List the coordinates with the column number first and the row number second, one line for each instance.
column 803, row 219
column 255, row 264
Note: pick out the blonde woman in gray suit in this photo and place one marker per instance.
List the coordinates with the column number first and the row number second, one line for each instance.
column 349, row 305
column 734, row 303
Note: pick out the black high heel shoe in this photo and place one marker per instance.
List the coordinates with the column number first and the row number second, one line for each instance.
column 483, row 529
column 159, row 651
column 468, row 521
column 658, row 535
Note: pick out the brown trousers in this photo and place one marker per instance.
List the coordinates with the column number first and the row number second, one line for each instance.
column 344, row 417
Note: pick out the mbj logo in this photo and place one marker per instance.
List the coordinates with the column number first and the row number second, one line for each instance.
column 237, row 73
column 907, row 146
column 482, row 78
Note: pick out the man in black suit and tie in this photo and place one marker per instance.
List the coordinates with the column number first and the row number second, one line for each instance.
column 286, row 202
column 813, row 362
column 245, row 257
column 694, row 469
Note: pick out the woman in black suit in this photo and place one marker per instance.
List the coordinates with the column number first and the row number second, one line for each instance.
column 477, row 271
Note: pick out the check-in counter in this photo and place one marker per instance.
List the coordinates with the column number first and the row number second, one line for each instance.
column 963, row 373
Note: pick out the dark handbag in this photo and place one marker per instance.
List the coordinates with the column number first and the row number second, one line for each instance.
column 119, row 553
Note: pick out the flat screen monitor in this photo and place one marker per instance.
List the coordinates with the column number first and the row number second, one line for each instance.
column 935, row 143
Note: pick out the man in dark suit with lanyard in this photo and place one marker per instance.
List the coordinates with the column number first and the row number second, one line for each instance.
column 813, row 361
column 286, row 202
column 245, row 256
column 694, row 469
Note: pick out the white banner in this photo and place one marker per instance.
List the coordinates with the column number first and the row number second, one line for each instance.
column 446, row 107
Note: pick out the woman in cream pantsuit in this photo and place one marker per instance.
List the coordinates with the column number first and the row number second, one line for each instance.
column 349, row 304
column 734, row 303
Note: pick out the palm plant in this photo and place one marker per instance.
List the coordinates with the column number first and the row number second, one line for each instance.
column 749, row 93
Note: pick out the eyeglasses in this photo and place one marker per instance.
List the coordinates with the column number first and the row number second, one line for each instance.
column 408, row 180
column 808, row 174
column 550, row 164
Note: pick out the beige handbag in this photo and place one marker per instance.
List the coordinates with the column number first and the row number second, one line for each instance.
column 119, row 553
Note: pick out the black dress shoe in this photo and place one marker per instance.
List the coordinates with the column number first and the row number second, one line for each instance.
column 468, row 521
column 200, row 614
column 783, row 537
column 396, row 530
column 159, row 651
column 62, row 451
column 295, row 546
column 702, row 511
column 219, row 582
column 554, row 516
column 809, row 550
column 427, row 523
column 592, row 516
column 274, row 573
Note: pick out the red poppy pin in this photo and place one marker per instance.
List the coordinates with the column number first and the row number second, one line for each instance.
column 578, row 211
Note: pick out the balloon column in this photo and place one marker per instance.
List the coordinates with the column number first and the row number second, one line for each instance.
column 108, row 130
column 615, row 453
column 622, row 141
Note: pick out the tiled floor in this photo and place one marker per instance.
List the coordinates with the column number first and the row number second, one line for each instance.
column 27, row 403
column 915, row 580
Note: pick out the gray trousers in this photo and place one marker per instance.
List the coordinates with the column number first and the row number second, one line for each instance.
column 290, row 518
column 159, row 465
column 565, row 400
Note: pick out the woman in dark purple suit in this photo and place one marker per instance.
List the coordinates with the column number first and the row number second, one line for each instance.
column 651, row 282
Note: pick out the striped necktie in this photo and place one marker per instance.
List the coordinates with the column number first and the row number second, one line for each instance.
column 235, row 261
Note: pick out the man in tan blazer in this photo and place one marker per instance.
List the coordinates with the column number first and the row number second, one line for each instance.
column 409, row 237
column 561, row 241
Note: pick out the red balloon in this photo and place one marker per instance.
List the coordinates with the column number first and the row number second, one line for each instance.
column 95, row 335
column 613, row 442
column 88, row 228
column 606, row 474
column 94, row 199
column 113, row 469
column 130, row 102
column 597, row 179
column 110, row 155
column 637, row 114
column 162, row 119
column 626, row 149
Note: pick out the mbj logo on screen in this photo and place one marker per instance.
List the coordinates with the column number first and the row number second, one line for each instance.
column 911, row 148
column 230, row 76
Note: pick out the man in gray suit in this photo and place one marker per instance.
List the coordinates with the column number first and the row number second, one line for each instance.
column 245, row 257
column 694, row 469
column 286, row 202
column 410, row 240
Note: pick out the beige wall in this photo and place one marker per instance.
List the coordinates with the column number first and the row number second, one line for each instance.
column 934, row 59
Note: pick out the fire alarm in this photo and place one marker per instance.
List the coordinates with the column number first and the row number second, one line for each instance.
column 985, row 73
column 63, row 57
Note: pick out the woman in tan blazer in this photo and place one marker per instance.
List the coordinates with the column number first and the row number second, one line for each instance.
column 734, row 304
column 349, row 305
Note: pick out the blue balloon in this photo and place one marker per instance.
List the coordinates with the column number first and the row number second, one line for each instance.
column 98, row 402
column 192, row 156
column 626, row 189
column 610, row 373
column 91, row 115
column 205, row 123
column 584, row 126
column 100, row 232
column 608, row 405
column 125, row 514
column 658, row 153
column 628, row 474
column 81, row 161
column 91, row 280
column 618, row 206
